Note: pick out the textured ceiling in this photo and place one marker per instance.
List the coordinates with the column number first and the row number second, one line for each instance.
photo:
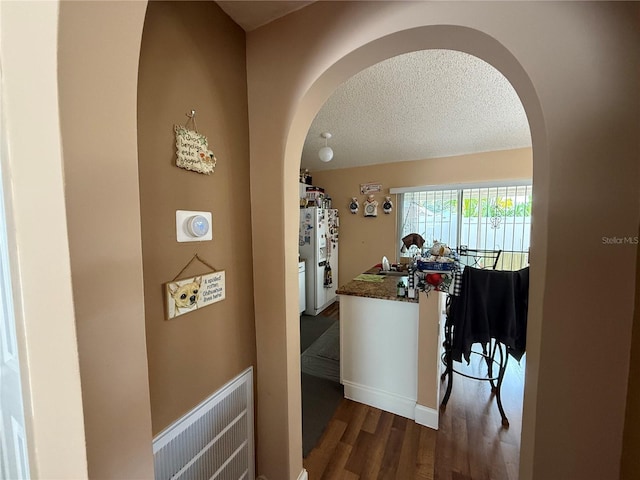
column 426, row 104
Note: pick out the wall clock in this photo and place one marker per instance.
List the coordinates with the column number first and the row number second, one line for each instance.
column 370, row 207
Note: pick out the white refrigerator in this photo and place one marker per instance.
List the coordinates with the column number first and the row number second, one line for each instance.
column 318, row 242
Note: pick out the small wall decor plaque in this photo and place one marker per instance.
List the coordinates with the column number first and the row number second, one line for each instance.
column 354, row 205
column 387, row 206
column 192, row 148
column 192, row 293
column 367, row 188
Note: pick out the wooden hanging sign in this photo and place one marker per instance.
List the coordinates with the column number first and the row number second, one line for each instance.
column 367, row 188
column 190, row 294
column 192, row 148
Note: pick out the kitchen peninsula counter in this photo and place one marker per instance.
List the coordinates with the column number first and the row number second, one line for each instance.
column 390, row 347
column 385, row 290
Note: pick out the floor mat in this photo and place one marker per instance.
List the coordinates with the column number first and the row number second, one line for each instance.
column 311, row 328
column 322, row 358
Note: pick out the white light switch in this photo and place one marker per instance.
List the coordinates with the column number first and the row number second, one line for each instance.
column 193, row 226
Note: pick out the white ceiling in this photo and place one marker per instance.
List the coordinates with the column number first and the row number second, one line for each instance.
column 426, row 104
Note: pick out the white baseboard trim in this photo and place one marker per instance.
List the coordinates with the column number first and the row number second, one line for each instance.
column 427, row 416
column 303, row 475
column 403, row 406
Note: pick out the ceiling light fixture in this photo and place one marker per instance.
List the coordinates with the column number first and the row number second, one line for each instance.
column 326, row 152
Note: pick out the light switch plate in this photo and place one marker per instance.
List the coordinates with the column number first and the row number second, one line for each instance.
column 183, row 233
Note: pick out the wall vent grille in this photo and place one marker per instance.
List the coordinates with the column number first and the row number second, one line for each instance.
column 213, row 441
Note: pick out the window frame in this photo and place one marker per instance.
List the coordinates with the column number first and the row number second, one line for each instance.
column 459, row 188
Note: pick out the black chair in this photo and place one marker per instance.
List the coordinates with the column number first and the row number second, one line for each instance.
column 491, row 309
column 472, row 257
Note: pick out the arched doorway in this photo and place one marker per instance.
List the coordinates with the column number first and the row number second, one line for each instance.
column 303, row 111
column 293, row 66
column 426, row 95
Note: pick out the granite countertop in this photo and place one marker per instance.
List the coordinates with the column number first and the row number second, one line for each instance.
column 385, row 290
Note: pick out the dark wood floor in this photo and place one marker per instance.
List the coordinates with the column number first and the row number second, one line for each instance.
column 471, row 442
column 361, row 442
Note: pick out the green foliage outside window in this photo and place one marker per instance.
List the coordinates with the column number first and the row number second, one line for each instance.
column 483, row 207
column 495, row 207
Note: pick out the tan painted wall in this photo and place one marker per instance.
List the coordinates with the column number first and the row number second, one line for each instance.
column 573, row 66
column 38, row 241
column 193, row 56
column 364, row 240
column 577, row 59
column 98, row 53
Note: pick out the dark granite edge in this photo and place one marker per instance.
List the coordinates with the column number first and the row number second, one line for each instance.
column 385, row 290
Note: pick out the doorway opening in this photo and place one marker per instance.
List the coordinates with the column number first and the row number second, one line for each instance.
column 493, row 134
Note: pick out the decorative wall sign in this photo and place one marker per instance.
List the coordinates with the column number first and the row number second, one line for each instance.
column 192, row 148
column 190, row 294
column 367, row 188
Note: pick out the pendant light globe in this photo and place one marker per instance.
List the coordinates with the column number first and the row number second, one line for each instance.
column 325, row 153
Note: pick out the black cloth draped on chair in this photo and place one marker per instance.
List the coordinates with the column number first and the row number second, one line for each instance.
column 491, row 309
column 491, row 304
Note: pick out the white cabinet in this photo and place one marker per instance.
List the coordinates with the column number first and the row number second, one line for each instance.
column 390, row 354
column 378, row 353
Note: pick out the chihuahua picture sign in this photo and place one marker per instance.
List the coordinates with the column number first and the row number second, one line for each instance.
column 190, row 294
